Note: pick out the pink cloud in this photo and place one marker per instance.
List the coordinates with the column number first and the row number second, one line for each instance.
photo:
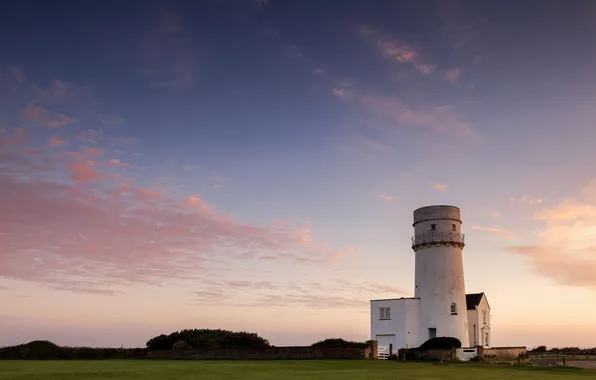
column 338, row 293
column 440, row 186
column 566, row 247
column 39, row 115
column 57, row 141
column 440, row 119
column 87, row 237
column 398, row 51
column 564, row 267
column 84, row 171
column 495, row 231
column 35, row 113
column 92, row 151
column 386, row 197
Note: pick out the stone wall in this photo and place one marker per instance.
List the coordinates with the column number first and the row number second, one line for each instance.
column 270, row 353
column 501, row 352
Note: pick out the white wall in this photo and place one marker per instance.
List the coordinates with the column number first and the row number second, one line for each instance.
column 439, row 278
column 484, row 327
column 473, row 327
column 476, row 324
column 403, row 324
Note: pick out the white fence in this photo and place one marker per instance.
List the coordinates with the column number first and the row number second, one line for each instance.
column 383, row 352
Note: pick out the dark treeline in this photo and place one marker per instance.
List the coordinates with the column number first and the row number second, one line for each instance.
column 197, row 339
column 44, row 350
column 562, row 351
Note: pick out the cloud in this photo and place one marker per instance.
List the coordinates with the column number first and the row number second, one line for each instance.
column 334, row 294
column 342, row 93
column 84, row 171
column 440, row 186
column 495, row 231
column 318, row 71
column 386, row 197
column 397, row 50
column 569, row 268
column 527, row 199
column 38, row 115
column 169, row 54
column 60, row 91
column 495, row 214
column 57, row 141
column 96, row 236
column 566, row 246
column 438, row 119
column 452, row 75
column 118, row 163
column 92, row 151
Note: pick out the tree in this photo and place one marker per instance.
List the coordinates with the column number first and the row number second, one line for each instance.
column 207, row 339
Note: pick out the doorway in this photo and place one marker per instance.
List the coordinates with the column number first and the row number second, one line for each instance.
column 432, row 332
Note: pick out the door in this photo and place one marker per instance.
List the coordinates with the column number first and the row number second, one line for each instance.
column 385, row 340
column 432, row 332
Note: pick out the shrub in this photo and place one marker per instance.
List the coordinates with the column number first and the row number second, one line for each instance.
column 441, row 343
column 339, row 342
column 208, row 339
column 180, row 345
column 48, row 350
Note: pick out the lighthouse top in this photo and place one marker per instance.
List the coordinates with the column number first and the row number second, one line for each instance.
column 437, row 212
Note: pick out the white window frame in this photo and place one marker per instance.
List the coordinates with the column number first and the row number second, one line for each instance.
column 384, row 312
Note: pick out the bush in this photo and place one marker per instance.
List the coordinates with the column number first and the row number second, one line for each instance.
column 441, row 343
column 180, row 345
column 208, row 339
column 47, row 350
column 339, row 342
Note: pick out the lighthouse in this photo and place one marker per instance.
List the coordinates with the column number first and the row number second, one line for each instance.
column 439, row 273
column 440, row 306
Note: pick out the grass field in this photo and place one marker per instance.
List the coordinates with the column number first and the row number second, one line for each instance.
column 278, row 370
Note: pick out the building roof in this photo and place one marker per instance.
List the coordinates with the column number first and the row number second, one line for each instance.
column 396, row 299
column 473, row 300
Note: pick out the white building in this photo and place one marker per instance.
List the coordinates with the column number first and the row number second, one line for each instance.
column 440, row 306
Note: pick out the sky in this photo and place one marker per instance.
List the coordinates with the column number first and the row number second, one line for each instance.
column 254, row 165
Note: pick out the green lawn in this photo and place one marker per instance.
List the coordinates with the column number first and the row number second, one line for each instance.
column 277, row 370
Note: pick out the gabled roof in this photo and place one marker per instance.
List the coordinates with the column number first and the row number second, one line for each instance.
column 473, row 300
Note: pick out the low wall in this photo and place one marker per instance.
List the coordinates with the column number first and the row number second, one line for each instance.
column 270, row 353
column 434, row 354
column 501, row 352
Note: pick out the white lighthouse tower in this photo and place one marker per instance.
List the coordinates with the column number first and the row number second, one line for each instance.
column 439, row 274
column 440, row 306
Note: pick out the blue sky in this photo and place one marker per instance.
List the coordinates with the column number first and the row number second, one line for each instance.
column 332, row 122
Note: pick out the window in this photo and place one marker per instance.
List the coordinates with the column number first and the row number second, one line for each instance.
column 432, row 332
column 433, row 227
column 486, row 339
column 484, row 316
column 453, row 308
column 385, row 313
column 453, row 228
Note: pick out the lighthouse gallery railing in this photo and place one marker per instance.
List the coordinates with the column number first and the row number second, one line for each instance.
column 435, row 237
